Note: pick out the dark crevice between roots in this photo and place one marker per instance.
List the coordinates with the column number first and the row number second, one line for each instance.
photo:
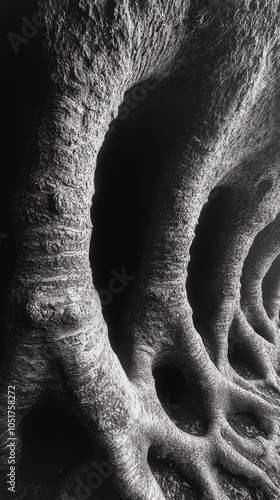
column 263, row 187
column 270, row 300
column 261, row 329
column 125, row 180
column 243, row 362
column 247, row 425
column 110, row 8
column 182, row 399
column 238, row 487
column 58, row 453
column 173, row 484
column 201, row 286
column 129, row 168
column 52, row 442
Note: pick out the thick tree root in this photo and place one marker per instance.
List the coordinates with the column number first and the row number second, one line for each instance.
column 58, row 338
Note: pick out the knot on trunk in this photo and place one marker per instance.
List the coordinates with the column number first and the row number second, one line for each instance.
column 44, row 311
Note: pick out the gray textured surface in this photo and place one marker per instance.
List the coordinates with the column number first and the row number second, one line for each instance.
column 97, row 51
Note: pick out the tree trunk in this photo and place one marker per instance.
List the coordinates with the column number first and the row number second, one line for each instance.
column 57, row 340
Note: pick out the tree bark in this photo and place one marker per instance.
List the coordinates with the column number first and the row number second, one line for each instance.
column 96, row 52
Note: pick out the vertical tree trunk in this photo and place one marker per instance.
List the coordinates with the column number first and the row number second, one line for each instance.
column 96, row 52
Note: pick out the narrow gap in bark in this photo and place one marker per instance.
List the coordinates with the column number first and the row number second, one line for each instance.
column 242, row 361
column 253, row 5
column 263, row 187
column 110, row 8
column 261, row 329
column 120, row 218
column 170, row 479
column 182, row 399
column 128, row 169
column 268, row 284
column 239, row 487
column 247, row 425
column 203, row 260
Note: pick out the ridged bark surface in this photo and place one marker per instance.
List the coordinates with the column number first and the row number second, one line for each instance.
column 96, row 51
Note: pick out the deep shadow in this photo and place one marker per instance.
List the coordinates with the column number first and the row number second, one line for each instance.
column 23, row 86
column 204, row 255
column 57, row 452
column 53, row 440
column 182, row 399
column 129, row 167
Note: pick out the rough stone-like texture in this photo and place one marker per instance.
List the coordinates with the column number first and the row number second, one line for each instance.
column 96, row 51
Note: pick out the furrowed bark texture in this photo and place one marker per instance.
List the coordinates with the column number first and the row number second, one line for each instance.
column 98, row 50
